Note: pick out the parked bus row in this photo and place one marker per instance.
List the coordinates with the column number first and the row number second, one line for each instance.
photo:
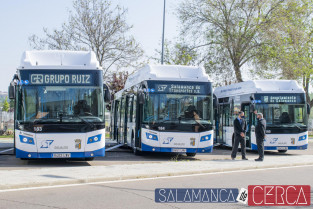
column 60, row 109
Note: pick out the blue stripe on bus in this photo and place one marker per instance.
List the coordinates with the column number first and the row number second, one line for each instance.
column 148, row 148
column 96, row 153
column 255, row 147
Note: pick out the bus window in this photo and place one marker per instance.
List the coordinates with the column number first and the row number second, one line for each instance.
column 130, row 110
column 151, row 108
column 278, row 114
column 134, row 109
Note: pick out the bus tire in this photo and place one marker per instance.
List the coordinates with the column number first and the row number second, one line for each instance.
column 136, row 151
column 191, row 154
column 89, row 158
column 282, row 151
column 24, row 158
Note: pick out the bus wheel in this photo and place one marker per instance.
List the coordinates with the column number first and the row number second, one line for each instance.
column 189, row 154
column 136, row 151
column 282, row 151
column 24, row 158
column 89, row 158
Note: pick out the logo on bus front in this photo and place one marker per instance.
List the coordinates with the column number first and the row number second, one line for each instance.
column 37, row 79
column 78, row 143
column 46, row 143
column 162, row 87
column 168, row 140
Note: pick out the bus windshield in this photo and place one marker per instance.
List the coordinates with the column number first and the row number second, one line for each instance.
column 284, row 114
column 49, row 104
column 173, row 108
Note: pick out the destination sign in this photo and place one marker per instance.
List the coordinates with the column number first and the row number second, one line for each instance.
column 180, row 88
column 40, row 79
column 64, row 77
column 274, row 99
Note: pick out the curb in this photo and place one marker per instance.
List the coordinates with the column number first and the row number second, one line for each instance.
column 143, row 176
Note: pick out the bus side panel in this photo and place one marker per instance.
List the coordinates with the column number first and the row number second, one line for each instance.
column 229, row 131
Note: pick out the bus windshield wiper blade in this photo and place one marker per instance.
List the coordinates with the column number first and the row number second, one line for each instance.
column 91, row 125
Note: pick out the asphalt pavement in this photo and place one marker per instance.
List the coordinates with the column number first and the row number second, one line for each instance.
column 140, row 193
column 122, row 164
column 122, row 156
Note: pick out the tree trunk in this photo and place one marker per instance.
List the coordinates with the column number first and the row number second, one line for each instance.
column 238, row 73
column 306, row 82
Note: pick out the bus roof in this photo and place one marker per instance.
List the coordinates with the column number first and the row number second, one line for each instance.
column 259, row 86
column 59, row 59
column 167, row 73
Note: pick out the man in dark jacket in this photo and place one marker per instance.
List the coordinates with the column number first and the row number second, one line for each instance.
column 239, row 136
column 260, row 135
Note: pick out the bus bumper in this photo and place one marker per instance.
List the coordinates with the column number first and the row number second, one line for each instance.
column 148, row 148
column 302, row 147
column 25, row 154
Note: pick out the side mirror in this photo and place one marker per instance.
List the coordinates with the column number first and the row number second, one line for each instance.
column 141, row 97
column 11, row 92
column 308, row 108
column 107, row 94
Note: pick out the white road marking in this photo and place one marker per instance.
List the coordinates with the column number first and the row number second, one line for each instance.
column 146, row 179
column 6, row 150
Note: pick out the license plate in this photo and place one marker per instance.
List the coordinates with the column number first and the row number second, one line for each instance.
column 61, row 155
column 179, row 150
column 282, row 148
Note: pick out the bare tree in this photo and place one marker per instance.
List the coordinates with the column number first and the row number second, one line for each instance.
column 228, row 30
column 98, row 26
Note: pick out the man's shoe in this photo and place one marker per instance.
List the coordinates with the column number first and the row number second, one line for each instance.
column 259, row 159
column 245, row 158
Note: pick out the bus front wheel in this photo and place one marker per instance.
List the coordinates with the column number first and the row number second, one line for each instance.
column 189, row 154
column 282, row 151
column 89, row 158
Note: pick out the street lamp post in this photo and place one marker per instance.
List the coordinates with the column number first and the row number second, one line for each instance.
column 162, row 55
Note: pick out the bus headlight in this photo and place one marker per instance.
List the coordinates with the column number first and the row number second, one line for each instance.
column 26, row 139
column 152, row 136
column 302, row 138
column 94, row 139
column 205, row 138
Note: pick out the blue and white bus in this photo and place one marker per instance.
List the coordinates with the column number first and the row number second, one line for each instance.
column 165, row 109
column 283, row 104
column 59, row 105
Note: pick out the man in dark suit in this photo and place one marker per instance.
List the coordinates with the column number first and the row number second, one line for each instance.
column 239, row 136
column 260, row 129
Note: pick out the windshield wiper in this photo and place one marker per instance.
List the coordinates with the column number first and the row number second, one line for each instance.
column 91, row 125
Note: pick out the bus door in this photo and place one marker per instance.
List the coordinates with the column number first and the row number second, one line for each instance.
column 130, row 123
column 138, row 116
column 222, row 123
column 126, row 109
column 248, row 117
column 122, row 121
column 115, row 119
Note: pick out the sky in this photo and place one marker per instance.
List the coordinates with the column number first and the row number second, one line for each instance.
column 19, row 19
